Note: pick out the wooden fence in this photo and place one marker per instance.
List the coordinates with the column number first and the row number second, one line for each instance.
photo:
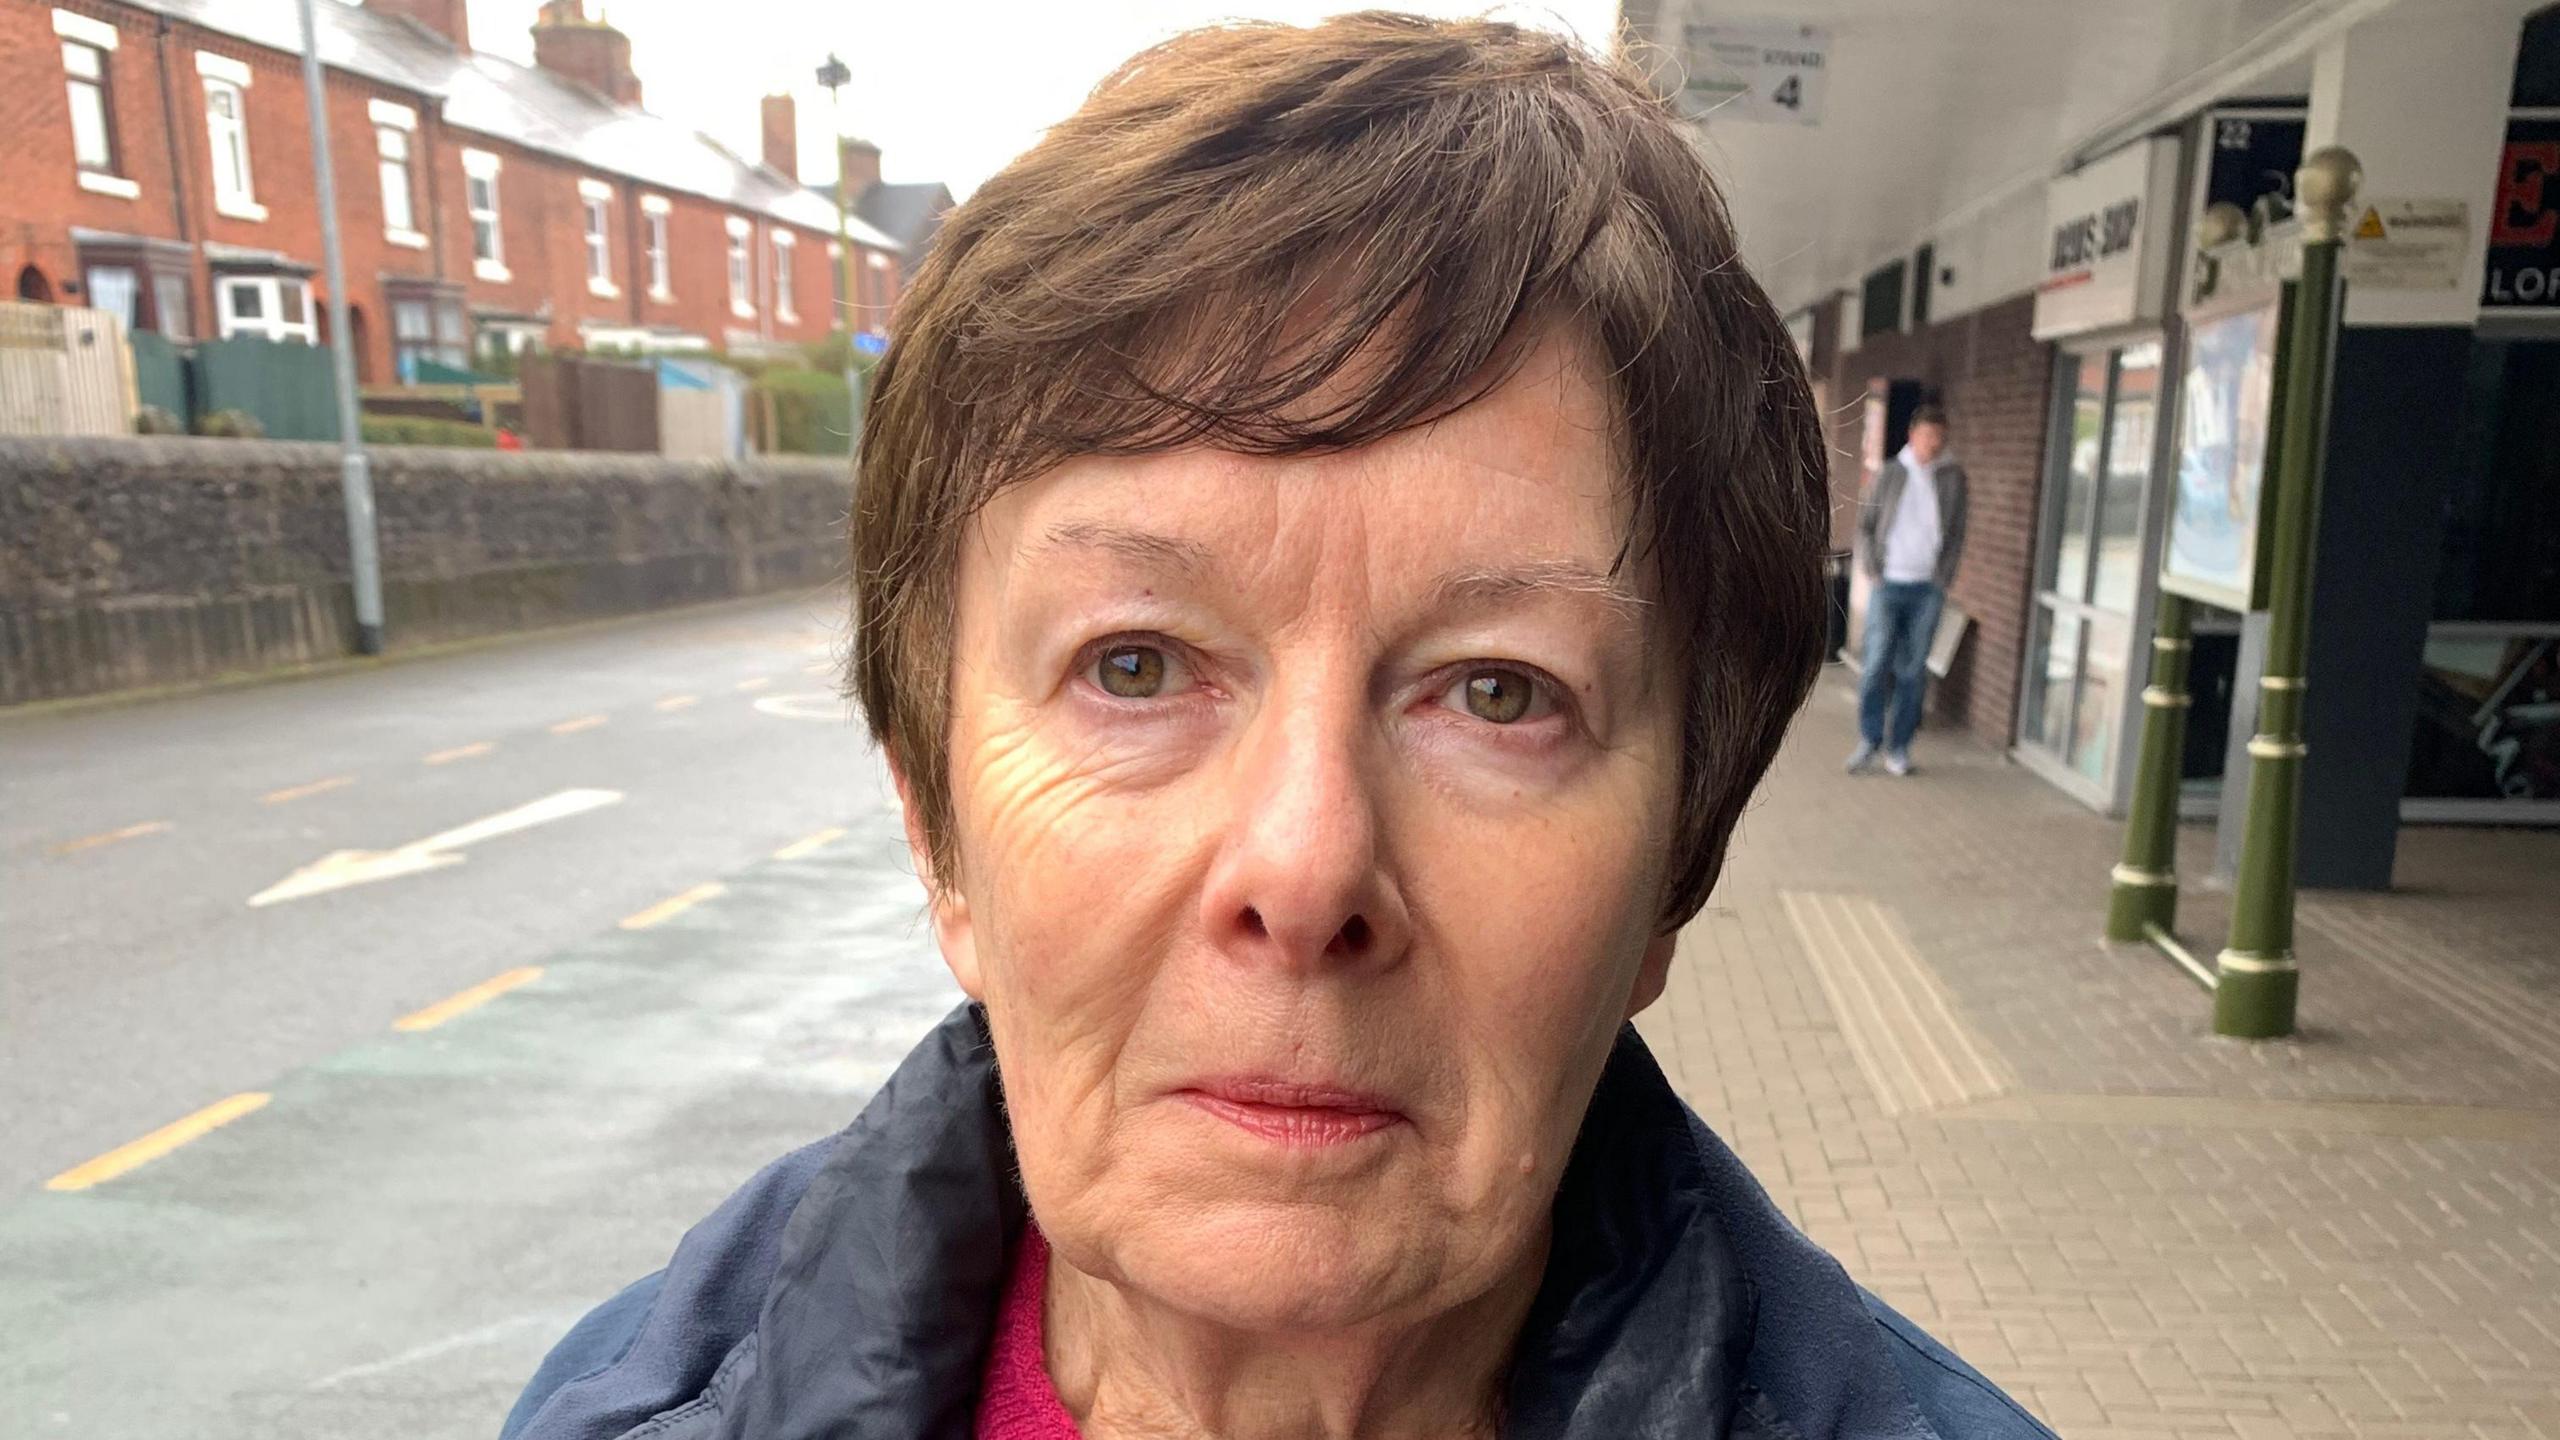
column 64, row 370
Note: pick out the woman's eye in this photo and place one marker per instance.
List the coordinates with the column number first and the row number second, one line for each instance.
column 1499, row 696
column 1132, row 672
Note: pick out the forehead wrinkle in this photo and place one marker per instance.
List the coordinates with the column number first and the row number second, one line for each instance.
column 1144, row 547
column 1541, row 577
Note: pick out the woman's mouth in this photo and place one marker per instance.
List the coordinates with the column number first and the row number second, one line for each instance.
column 1290, row 1113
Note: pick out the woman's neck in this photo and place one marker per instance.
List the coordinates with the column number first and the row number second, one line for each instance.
column 1129, row 1369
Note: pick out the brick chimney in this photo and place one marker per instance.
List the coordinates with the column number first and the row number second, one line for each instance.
column 448, row 18
column 782, row 135
column 586, row 52
column 861, row 162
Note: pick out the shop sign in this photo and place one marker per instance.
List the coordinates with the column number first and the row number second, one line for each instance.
column 2524, row 220
column 2254, row 153
column 2105, row 260
column 1767, row 71
column 2406, row 244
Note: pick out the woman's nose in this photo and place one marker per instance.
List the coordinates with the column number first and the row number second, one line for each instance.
column 1301, row 877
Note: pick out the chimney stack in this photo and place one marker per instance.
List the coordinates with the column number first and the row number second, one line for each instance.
column 448, row 18
column 586, row 52
column 782, row 135
column 861, row 162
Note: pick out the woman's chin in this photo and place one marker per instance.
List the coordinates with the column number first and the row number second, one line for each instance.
column 1300, row 1269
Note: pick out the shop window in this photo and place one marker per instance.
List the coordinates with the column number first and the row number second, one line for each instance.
column 1880, row 301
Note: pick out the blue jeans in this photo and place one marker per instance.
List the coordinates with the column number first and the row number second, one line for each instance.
column 1902, row 618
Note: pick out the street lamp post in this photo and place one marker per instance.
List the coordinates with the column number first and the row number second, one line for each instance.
column 364, row 560
column 2256, row 982
column 834, row 76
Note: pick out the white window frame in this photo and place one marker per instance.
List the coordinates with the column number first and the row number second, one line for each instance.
column 786, row 248
column 271, row 323
column 483, row 166
column 654, row 222
column 595, row 205
column 104, row 39
column 742, row 268
column 235, row 184
column 395, row 146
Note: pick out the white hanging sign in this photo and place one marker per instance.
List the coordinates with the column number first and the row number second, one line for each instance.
column 1767, row 71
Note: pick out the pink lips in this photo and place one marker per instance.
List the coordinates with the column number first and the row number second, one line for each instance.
column 1286, row 1113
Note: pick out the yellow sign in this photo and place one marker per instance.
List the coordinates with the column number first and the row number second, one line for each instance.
column 2370, row 227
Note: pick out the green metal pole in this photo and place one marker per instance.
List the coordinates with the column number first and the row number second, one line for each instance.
column 2146, row 880
column 2256, row 980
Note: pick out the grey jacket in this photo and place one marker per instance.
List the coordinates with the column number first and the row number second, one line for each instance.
column 1875, row 518
column 848, row 1293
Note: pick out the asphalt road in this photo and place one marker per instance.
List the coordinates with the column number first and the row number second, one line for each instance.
column 424, row 1177
column 138, row 982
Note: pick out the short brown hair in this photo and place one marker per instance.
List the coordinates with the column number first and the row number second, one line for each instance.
column 1195, row 258
column 1930, row 414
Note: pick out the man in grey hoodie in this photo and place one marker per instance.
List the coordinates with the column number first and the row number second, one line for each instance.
column 1910, row 538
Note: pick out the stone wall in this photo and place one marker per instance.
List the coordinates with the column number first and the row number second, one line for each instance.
column 133, row 562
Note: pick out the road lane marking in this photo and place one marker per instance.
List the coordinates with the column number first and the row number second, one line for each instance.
column 472, row 751
column 755, row 682
column 298, row 792
column 466, row 1000
column 572, row 727
column 135, row 1154
column 808, row 843
column 342, row 868
column 92, row 842
column 823, row 705
column 679, row 702
column 673, row 906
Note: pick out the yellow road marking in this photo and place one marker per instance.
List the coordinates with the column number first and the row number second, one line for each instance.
column 756, row 682
column 808, row 843
column 472, row 751
column 471, row 999
column 673, row 906
column 297, row 792
column 138, row 1153
column 679, row 702
column 572, row 727
column 92, row 842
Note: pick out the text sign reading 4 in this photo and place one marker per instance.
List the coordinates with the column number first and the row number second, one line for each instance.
column 1769, row 71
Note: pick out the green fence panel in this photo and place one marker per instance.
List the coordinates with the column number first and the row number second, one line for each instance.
column 288, row 386
column 160, row 373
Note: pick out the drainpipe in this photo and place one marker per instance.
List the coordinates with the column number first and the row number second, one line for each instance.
column 177, row 170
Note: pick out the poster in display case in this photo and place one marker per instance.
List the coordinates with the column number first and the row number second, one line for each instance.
column 2226, row 417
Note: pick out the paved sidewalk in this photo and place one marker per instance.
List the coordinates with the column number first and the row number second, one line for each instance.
column 1898, row 1011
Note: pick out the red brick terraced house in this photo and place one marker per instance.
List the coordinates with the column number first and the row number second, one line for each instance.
column 155, row 162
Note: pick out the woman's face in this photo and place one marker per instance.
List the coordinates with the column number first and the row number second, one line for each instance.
column 1311, row 816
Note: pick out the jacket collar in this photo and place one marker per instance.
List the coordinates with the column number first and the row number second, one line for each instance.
column 879, row 1315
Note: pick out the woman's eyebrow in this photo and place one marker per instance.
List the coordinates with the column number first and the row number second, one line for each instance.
column 1539, row 577
column 1142, row 546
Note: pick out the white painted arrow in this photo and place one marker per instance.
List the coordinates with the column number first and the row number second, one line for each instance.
column 343, row 868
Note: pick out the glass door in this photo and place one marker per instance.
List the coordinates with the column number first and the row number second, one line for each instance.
column 2089, row 563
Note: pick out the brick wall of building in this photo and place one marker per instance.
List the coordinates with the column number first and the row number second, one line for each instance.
column 1996, row 381
column 541, row 208
column 41, row 198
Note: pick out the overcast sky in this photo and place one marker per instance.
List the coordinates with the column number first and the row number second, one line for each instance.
column 948, row 91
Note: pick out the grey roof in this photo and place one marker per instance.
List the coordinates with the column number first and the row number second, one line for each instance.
column 909, row 213
column 524, row 105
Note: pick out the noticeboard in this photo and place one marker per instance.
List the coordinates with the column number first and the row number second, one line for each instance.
column 2227, row 397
